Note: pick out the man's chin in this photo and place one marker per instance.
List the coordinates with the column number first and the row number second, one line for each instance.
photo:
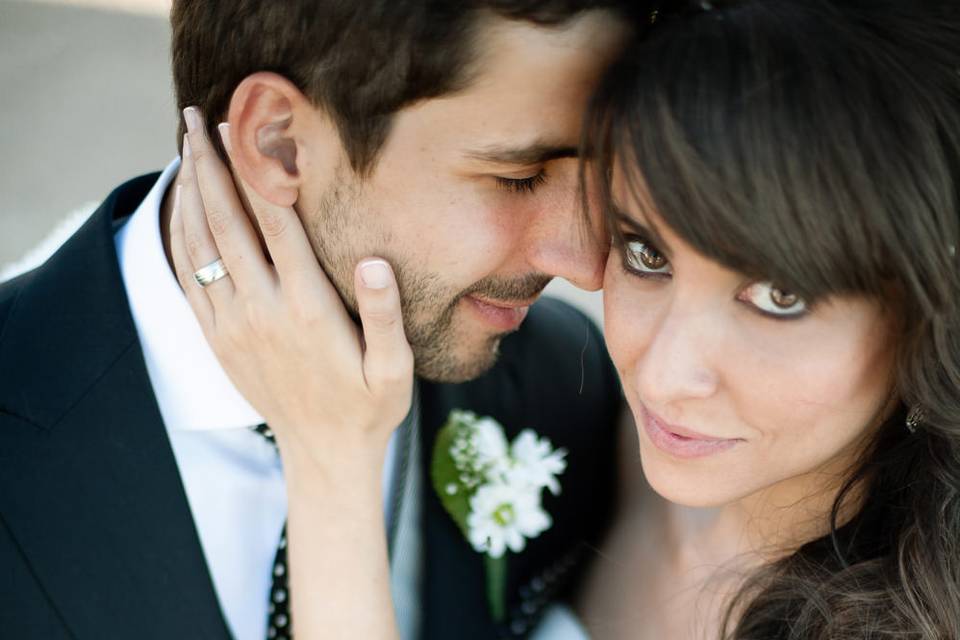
column 452, row 366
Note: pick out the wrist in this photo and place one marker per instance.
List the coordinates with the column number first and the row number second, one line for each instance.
column 347, row 466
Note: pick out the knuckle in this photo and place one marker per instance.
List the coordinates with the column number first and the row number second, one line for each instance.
column 198, row 148
column 308, row 323
column 272, row 225
column 218, row 220
column 392, row 377
column 303, row 312
column 403, row 372
column 194, row 245
column 183, row 277
column 186, row 178
column 395, row 373
column 383, row 320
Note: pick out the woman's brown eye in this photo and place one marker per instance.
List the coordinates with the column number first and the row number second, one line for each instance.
column 651, row 258
column 783, row 299
column 773, row 301
column 643, row 259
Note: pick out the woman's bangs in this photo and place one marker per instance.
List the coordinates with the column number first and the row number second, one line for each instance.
column 752, row 171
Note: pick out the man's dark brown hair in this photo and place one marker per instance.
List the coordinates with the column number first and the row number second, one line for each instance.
column 360, row 60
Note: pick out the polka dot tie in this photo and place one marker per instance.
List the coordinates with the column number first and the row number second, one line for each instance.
column 278, row 611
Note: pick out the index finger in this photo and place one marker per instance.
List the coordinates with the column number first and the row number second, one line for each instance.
column 228, row 223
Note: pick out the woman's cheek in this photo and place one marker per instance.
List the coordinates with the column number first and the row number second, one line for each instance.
column 631, row 311
column 813, row 391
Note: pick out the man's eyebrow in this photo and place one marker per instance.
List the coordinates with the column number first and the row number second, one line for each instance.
column 536, row 153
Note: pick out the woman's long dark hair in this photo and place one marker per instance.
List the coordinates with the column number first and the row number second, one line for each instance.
column 816, row 144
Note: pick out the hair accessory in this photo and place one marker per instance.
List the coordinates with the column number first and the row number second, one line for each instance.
column 914, row 418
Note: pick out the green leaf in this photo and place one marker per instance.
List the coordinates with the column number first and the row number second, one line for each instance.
column 497, row 586
column 443, row 473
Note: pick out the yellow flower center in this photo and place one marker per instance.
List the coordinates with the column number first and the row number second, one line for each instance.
column 504, row 515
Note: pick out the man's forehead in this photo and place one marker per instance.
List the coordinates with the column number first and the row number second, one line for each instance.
column 536, row 80
column 510, row 131
column 525, row 101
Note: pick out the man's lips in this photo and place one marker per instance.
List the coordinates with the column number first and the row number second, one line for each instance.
column 503, row 315
column 505, row 304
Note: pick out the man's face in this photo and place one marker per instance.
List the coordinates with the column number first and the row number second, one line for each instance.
column 474, row 199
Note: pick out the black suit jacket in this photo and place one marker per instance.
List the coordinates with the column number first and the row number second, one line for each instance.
column 96, row 536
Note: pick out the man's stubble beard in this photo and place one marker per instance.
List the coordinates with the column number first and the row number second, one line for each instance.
column 342, row 232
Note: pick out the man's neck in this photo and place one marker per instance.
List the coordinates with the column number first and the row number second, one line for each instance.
column 166, row 213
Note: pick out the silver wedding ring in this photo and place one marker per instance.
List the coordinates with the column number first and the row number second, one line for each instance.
column 211, row 273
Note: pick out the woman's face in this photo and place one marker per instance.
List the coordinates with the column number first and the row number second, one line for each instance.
column 737, row 387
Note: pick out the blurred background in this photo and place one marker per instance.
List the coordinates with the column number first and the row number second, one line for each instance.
column 87, row 103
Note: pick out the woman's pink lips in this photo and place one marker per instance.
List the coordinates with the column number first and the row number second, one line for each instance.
column 503, row 315
column 681, row 442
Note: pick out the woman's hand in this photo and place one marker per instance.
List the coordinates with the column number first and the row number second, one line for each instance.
column 331, row 395
column 277, row 324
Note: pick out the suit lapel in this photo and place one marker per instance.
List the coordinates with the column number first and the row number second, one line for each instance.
column 453, row 594
column 90, row 487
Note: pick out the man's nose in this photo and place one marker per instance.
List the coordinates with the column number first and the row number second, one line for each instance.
column 566, row 242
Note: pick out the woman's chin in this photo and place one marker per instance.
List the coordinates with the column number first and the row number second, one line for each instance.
column 680, row 483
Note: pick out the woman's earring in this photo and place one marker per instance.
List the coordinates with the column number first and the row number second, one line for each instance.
column 914, row 418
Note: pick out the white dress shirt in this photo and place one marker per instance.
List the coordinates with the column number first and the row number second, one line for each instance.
column 560, row 623
column 232, row 475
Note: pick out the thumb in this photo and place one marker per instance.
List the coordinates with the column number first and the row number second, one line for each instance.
column 388, row 360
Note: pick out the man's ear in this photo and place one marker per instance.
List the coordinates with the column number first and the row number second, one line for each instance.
column 271, row 123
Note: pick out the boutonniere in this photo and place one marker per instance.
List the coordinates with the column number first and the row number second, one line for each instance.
column 492, row 489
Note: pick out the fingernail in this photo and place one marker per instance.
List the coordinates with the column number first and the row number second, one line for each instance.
column 192, row 117
column 224, row 129
column 186, row 147
column 375, row 274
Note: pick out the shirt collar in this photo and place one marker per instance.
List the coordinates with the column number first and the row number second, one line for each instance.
column 192, row 389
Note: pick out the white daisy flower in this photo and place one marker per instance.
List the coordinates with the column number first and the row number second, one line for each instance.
column 491, row 443
column 503, row 516
column 536, row 463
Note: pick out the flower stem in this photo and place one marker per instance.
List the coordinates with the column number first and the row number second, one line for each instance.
column 497, row 586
